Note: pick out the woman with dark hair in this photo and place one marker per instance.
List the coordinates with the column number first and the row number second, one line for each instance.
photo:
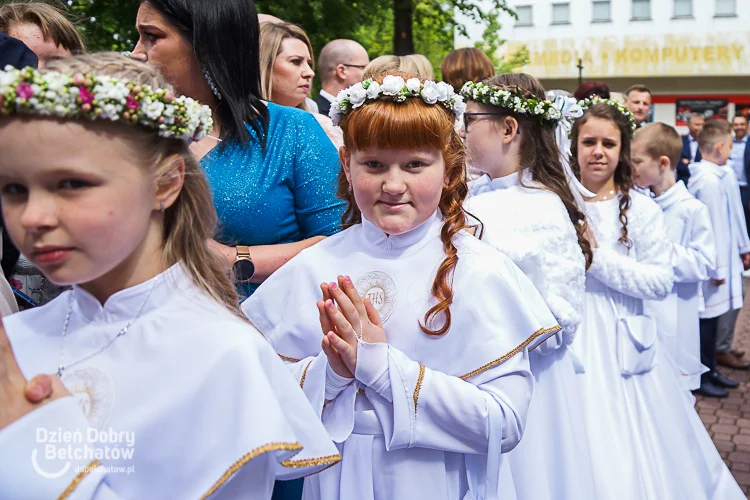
column 646, row 438
column 272, row 168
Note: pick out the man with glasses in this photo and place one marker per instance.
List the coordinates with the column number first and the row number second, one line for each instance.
column 341, row 64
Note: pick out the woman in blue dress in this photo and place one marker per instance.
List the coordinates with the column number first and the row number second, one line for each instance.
column 272, row 168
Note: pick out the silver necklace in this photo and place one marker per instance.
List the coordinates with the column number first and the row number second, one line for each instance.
column 121, row 333
column 214, row 138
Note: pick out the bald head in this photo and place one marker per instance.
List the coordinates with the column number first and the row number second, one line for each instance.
column 268, row 18
column 340, row 64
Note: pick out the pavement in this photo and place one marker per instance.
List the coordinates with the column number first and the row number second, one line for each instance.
column 728, row 420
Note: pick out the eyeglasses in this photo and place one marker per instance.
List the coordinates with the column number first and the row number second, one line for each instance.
column 468, row 117
column 354, row 66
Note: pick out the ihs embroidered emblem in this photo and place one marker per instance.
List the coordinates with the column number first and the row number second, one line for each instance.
column 380, row 289
column 93, row 390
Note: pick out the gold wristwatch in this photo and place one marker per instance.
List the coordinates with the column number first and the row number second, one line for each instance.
column 243, row 267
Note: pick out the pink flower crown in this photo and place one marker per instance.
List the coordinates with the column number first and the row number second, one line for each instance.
column 92, row 97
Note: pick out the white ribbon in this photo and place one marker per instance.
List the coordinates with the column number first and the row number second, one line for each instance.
column 570, row 110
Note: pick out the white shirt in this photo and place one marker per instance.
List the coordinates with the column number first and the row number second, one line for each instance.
column 738, row 160
column 693, row 147
column 196, row 394
column 425, row 417
column 327, row 95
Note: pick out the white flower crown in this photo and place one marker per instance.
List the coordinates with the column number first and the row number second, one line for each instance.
column 587, row 103
column 397, row 90
column 544, row 109
column 94, row 97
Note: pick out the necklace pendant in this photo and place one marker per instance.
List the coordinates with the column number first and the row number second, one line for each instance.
column 60, row 371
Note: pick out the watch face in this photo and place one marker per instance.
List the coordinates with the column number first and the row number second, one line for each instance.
column 243, row 270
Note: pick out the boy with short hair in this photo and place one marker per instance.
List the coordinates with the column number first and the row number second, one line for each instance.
column 655, row 153
column 716, row 186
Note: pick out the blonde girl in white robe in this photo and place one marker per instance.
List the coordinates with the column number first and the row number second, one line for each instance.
column 153, row 352
column 530, row 214
column 646, row 439
column 426, row 383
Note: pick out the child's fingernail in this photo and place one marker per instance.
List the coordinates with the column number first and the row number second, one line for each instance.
column 334, row 286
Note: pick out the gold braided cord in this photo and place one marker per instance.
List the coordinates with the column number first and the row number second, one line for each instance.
column 246, row 458
column 77, row 480
column 418, row 388
column 304, row 376
column 492, row 364
column 312, row 462
column 288, row 359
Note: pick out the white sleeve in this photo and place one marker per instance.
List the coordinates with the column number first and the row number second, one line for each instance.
column 423, row 408
column 712, row 196
column 649, row 275
column 696, row 261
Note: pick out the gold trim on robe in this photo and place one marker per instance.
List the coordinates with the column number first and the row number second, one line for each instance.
column 304, row 376
column 246, row 458
column 506, row 357
column 288, row 359
column 418, row 388
column 77, row 480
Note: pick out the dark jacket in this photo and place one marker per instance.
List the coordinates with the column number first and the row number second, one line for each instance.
column 324, row 105
column 683, row 172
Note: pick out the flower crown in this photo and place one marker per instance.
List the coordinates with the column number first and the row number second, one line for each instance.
column 94, row 97
column 397, row 90
column 545, row 110
column 587, row 103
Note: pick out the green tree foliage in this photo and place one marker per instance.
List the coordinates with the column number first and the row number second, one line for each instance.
column 110, row 24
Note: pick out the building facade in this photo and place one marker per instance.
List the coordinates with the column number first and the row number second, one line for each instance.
column 693, row 54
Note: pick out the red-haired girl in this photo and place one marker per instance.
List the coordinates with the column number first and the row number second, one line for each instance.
column 424, row 382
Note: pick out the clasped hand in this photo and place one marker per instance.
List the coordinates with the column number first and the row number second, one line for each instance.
column 345, row 318
column 18, row 397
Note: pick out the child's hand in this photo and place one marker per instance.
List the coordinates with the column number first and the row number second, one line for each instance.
column 745, row 260
column 17, row 397
column 718, row 282
column 334, row 358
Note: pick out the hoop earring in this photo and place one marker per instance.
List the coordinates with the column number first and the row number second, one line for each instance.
column 211, row 84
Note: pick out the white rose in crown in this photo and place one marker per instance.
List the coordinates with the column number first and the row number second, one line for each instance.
column 413, row 84
column 392, row 85
column 430, row 92
column 445, row 91
column 373, row 91
column 357, row 95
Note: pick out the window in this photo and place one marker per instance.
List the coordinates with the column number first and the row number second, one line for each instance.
column 524, row 15
column 726, row 8
column 683, row 8
column 641, row 9
column 561, row 13
column 601, row 12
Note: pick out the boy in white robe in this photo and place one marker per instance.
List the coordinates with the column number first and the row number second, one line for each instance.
column 723, row 293
column 655, row 153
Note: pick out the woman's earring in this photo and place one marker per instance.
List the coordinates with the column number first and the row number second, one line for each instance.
column 162, row 207
column 211, row 84
column 350, row 188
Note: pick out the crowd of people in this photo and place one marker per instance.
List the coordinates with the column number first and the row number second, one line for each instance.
column 467, row 289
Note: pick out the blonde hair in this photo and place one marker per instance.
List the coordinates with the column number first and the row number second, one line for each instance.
column 415, row 65
column 191, row 220
column 52, row 22
column 272, row 35
column 661, row 140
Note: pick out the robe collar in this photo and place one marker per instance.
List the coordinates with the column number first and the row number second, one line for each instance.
column 376, row 238
column 674, row 194
column 703, row 167
column 123, row 305
column 510, row 180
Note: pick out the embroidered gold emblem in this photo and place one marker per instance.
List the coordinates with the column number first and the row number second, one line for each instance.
column 381, row 290
column 93, row 390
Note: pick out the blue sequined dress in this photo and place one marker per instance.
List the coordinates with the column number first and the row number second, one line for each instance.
column 284, row 195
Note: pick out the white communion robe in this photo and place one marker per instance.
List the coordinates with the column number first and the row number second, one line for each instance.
column 712, row 185
column 688, row 227
column 194, row 398
column 531, row 225
column 647, row 440
column 425, row 417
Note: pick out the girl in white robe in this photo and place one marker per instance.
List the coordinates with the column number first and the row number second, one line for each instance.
column 530, row 214
column 646, row 439
column 429, row 403
column 167, row 391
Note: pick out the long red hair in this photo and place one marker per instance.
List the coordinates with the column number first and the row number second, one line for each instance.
column 414, row 125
